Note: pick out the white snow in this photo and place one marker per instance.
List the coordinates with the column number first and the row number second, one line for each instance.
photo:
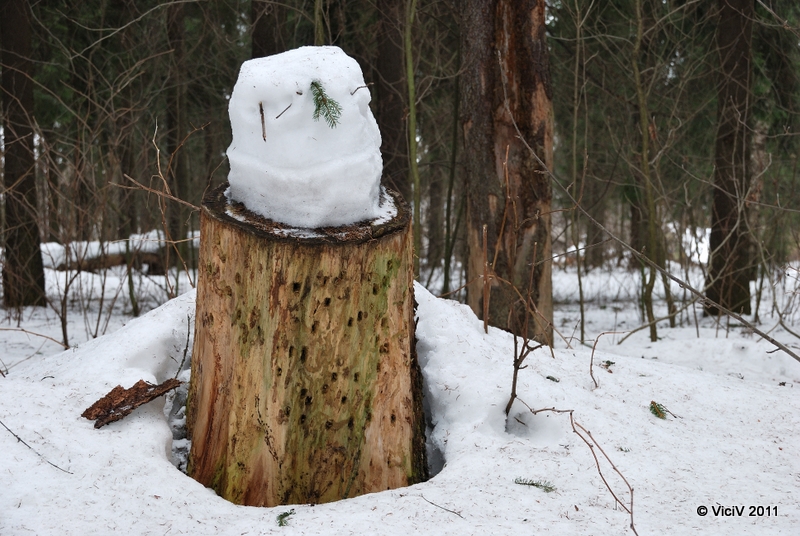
column 293, row 169
column 735, row 440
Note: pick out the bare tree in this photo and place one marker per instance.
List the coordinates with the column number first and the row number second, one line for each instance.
column 23, row 273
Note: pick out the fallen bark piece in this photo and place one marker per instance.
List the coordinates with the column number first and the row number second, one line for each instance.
column 119, row 402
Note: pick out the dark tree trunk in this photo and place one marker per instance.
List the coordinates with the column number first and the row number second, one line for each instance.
column 391, row 97
column 266, row 18
column 506, row 82
column 23, row 273
column 596, row 206
column 176, row 123
column 123, row 12
column 731, row 266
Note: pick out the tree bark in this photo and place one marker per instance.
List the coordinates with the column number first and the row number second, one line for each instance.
column 505, row 86
column 391, row 97
column 731, row 267
column 23, row 272
column 305, row 386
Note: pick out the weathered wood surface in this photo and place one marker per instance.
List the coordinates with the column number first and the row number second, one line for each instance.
column 305, row 386
column 120, row 402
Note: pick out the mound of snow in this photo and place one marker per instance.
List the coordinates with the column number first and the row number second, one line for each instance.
column 291, row 167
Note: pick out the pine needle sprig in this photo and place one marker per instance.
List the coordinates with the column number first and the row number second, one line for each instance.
column 283, row 518
column 658, row 410
column 543, row 485
column 324, row 105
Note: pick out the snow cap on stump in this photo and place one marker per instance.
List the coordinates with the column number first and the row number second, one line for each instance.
column 290, row 167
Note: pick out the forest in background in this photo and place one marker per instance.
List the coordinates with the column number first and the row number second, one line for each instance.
column 130, row 103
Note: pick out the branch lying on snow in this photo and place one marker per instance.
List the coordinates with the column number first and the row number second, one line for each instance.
column 34, row 450
column 591, row 442
column 120, row 402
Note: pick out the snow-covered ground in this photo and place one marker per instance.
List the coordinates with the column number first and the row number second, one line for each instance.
column 732, row 437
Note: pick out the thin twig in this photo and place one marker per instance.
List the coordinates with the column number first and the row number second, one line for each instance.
column 591, row 361
column 157, row 192
column 263, row 124
column 22, row 330
column 442, row 507
column 186, row 348
column 278, row 116
column 34, row 450
column 591, row 444
column 360, row 87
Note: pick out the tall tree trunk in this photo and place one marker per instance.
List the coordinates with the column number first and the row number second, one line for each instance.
column 23, row 273
column 176, row 122
column 266, row 18
column 594, row 193
column 390, row 92
column 505, row 86
column 731, row 266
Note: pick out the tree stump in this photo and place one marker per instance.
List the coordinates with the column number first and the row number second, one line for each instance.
column 305, row 385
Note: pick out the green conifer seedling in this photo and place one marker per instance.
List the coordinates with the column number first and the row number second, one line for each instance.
column 324, row 105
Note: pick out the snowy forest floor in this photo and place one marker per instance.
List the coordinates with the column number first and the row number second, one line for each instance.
column 731, row 437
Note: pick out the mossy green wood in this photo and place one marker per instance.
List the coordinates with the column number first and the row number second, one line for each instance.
column 305, row 386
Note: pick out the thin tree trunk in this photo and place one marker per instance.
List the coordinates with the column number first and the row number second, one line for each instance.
column 411, row 11
column 505, row 87
column 23, row 272
column 731, row 265
column 391, row 97
column 176, row 122
column 266, row 18
column 649, row 196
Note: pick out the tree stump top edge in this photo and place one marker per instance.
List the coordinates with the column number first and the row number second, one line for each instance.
column 217, row 205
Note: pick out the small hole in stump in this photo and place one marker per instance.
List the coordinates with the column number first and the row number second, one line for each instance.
column 350, row 322
column 308, row 400
column 360, row 315
column 303, row 353
column 303, row 392
column 355, row 377
column 374, row 289
column 302, row 418
column 394, row 418
column 314, row 327
column 334, row 376
column 328, row 425
column 296, row 286
column 280, row 371
column 349, row 423
column 344, row 399
column 327, row 302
